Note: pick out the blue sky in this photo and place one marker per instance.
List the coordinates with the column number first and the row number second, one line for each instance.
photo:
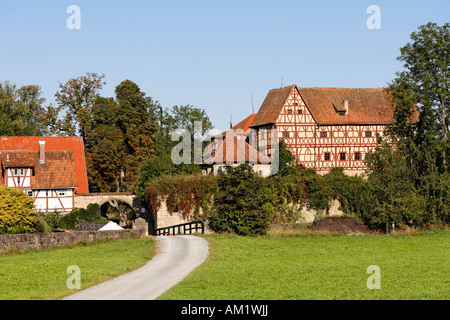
column 210, row 54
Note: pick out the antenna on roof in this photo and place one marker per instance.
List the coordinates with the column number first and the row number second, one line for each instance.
column 282, row 82
column 253, row 109
column 231, row 121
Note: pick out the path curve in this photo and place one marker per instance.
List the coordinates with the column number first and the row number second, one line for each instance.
column 176, row 257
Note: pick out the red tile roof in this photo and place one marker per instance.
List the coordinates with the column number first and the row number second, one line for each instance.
column 65, row 162
column 58, row 171
column 233, row 149
column 364, row 105
column 272, row 105
column 18, row 159
column 243, row 127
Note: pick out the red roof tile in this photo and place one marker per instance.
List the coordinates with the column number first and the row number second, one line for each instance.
column 58, row 171
column 243, row 127
column 233, row 149
column 59, row 165
column 364, row 105
column 272, row 105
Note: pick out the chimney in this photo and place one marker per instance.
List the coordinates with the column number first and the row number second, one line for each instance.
column 41, row 152
column 346, row 106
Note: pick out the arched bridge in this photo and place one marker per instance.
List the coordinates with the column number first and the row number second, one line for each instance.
column 83, row 200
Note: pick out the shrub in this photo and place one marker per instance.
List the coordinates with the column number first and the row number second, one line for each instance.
column 17, row 213
column 241, row 205
column 91, row 214
column 47, row 222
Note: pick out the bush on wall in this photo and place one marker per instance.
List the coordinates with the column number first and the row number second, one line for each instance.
column 186, row 194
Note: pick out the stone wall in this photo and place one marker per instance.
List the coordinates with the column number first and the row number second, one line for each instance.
column 47, row 240
column 164, row 218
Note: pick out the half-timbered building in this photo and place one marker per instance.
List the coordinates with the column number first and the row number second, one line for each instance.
column 49, row 169
column 323, row 127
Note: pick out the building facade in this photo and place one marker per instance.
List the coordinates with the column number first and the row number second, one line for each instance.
column 49, row 169
column 323, row 127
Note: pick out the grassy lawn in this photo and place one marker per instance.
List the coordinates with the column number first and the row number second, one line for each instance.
column 320, row 267
column 42, row 274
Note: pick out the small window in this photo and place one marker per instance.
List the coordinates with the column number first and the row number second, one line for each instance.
column 62, row 193
column 19, row 171
column 300, row 111
column 289, row 111
column 327, row 156
column 286, row 134
column 368, row 133
column 323, row 134
column 342, row 156
column 357, row 155
column 30, row 193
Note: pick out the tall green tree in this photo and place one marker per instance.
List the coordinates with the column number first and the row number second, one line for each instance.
column 139, row 127
column 22, row 110
column 75, row 100
column 425, row 83
column 410, row 181
column 105, row 165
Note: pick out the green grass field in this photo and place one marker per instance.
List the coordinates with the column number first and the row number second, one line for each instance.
column 42, row 274
column 320, row 267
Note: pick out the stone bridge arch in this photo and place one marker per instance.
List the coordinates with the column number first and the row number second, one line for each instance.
column 83, row 200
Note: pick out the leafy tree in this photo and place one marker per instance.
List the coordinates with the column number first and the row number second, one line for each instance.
column 419, row 131
column 391, row 191
column 105, row 158
column 138, row 127
column 285, row 159
column 17, row 213
column 22, row 109
column 425, row 82
column 170, row 120
column 151, row 169
column 180, row 118
column 75, row 100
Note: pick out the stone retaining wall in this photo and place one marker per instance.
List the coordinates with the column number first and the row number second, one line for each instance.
column 164, row 218
column 47, row 240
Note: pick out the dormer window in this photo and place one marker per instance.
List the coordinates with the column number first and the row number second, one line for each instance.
column 341, row 107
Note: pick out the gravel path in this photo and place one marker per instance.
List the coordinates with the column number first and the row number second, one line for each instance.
column 176, row 257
